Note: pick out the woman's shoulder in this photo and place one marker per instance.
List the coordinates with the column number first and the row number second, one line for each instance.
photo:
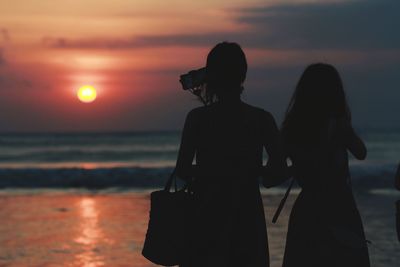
column 197, row 110
column 258, row 111
column 196, row 113
column 261, row 117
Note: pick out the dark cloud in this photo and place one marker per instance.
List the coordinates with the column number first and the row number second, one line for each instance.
column 11, row 79
column 133, row 42
column 365, row 24
column 4, row 35
column 353, row 25
column 2, row 59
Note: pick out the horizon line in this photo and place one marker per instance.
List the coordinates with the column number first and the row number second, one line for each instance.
column 146, row 131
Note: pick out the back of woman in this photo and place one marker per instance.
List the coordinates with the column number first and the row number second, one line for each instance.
column 229, row 210
column 227, row 138
column 230, row 141
column 322, row 164
column 325, row 227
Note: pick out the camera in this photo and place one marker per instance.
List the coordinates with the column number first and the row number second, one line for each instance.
column 193, row 79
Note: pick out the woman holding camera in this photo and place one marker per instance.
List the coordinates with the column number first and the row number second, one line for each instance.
column 227, row 138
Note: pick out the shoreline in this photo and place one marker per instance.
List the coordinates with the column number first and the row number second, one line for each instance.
column 145, row 178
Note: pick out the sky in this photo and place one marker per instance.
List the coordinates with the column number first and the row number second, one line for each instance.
column 133, row 52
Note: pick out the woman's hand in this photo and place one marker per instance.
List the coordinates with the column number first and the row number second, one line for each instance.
column 275, row 172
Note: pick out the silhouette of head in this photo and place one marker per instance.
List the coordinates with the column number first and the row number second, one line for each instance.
column 225, row 71
column 319, row 95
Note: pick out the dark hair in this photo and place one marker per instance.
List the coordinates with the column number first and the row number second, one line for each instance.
column 225, row 71
column 319, row 95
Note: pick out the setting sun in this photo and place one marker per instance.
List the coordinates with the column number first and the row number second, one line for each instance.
column 87, row 94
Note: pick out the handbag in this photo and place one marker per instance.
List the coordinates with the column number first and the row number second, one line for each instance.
column 166, row 236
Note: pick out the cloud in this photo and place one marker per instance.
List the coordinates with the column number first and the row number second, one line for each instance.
column 132, row 42
column 356, row 25
column 365, row 24
column 4, row 35
column 11, row 78
column 2, row 58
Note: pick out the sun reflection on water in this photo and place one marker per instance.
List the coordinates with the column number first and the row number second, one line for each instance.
column 91, row 234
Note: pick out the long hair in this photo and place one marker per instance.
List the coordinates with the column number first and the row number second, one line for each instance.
column 225, row 72
column 319, row 96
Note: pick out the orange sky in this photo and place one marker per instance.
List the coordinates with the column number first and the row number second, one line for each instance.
column 133, row 53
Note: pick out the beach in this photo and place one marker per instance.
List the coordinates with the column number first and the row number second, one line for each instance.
column 107, row 228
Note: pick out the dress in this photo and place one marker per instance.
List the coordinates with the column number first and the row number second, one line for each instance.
column 325, row 227
column 229, row 226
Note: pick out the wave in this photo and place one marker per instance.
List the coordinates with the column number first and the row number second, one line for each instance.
column 138, row 177
column 87, row 139
column 373, row 175
column 84, row 178
column 89, row 155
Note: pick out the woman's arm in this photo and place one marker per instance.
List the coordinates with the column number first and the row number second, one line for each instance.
column 187, row 149
column 354, row 143
column 276, row 170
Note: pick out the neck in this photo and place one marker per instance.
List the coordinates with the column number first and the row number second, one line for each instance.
column 230, row 97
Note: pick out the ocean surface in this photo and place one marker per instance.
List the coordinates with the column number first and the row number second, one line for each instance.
column 138, row 159
column 76, row 200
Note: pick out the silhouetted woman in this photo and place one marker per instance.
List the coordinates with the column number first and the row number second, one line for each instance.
column 227, row 138
column 325, row 227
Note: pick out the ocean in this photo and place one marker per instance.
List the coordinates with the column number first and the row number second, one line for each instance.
column 138, row 159
column 76, row 200
column 91, row 160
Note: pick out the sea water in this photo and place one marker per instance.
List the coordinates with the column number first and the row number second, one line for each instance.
column 137, row 159
column 62, row 223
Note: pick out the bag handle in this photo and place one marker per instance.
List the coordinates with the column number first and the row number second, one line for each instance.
column 282, row 203
column 172, row 178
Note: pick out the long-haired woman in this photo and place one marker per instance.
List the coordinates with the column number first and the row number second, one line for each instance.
column 325, row 227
